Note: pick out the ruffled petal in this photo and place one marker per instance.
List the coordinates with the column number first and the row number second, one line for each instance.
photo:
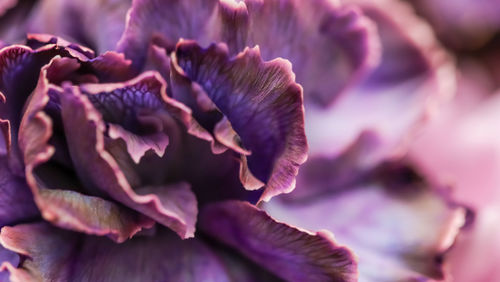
column 330, row 46
column 262, row 103
column 289, row 253
column 54, row 189
column 57, row 255
column 399, row 226
column 179, row 19
column 414, row 76
column 98, row 168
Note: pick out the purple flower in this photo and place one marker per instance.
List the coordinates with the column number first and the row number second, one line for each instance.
column 152, row 159
column 164, row 145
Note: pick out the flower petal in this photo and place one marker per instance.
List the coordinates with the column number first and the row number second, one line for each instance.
column 81, row 21
column 260, row 100
column 289, row 253
column 16, row 202
column 66, row 208
column 415, row 75
column 326, row 43
column 206, row 21
column 99, row 169
column 58, row 255
column 330, row 46
column 398, row 225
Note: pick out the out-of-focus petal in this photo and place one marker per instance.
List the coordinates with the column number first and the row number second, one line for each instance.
column 397, row 224
column 415, row 74
column 99, row 169
column 287, row 252
column 462, row 24
column 178, row 19
column 96, row 23
column 57, row 255
column 330, row 46
column 262, row 103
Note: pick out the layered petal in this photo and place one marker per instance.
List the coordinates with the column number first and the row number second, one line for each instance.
column 289, row 253
column 57, row 255
column 98, row 23
column 56, row 191
column 262, row 105
column 101, row 170
column 414, row 76
column 399, row 226
column 329, row 46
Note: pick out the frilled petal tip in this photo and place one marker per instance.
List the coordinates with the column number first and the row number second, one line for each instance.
column 54, row 254
column 67, row 203
column 289, row 253
column 262, row 104
column 331, row 46
column 414, row 77
column 172, row 205
column 400, row 227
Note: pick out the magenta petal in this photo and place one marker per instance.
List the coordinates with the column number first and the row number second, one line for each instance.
column 58, row 255
column 99, row 169
column 262, row 103
column 289, row 253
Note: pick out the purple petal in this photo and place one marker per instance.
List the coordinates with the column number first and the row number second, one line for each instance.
column 55, row 255
column 260, row 100
column 16, row 202
column 179, row 19
column 325, row 42
column 52, row 192
column 98, row 168
column 462, row 24
column 413, row 77
column 330, row 46
column 7, row 257
column 399, row 226
column 97, row 23
column 289, row 253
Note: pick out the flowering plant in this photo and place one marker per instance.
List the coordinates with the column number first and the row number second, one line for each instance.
column 165, row 153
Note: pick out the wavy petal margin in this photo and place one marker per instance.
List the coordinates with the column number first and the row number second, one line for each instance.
column 262, row 103
column 329, row 45
column 287, row 252
column 53, row 254
column 399, row 226
column 61, row 206
column 97, row 168
column 415, row 76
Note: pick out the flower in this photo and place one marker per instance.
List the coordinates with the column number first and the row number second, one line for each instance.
column 152, row 160
column 165, row 137
column 358, row 182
